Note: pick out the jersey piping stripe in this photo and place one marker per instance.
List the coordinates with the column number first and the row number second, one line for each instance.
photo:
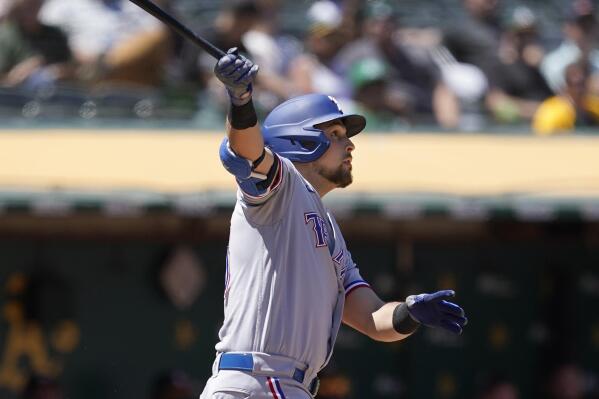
column 355, row 284
column 227, row 273
column 275, row 388
column 279, row 389
column 272, row 387
column 273, row 186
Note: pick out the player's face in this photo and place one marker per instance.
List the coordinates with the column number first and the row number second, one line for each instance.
column 335, row 164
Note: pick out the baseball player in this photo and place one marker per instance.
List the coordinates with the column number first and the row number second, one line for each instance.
column 290, row 279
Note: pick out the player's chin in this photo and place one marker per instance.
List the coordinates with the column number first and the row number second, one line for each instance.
column 345, row 184
column 345, row 180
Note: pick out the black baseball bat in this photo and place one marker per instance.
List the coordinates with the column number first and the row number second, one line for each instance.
column 178, row 27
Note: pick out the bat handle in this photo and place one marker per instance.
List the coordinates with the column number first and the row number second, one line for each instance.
column 206, row 45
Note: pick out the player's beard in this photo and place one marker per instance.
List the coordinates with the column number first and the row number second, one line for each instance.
column 340, row 176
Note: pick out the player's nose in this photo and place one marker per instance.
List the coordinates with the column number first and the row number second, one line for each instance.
column 350, row 146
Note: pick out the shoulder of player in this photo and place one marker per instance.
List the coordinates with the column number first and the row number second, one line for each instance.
column 296, row 176
column 289, row 167
column 335, row 225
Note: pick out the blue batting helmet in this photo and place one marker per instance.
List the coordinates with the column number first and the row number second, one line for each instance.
column 289, row 128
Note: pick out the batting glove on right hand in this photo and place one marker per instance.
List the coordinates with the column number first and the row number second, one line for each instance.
column 237, row 73
column 433, row 310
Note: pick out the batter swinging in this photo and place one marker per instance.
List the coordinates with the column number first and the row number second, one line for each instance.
column 290, row 279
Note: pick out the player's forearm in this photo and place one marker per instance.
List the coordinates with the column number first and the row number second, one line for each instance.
column 247, row 143
column 383, row 328
column 237, row 73
column 367, row 313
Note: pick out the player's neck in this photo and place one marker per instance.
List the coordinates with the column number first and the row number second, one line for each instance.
column 318, row 182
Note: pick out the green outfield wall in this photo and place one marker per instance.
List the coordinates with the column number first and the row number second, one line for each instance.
column 95, row 313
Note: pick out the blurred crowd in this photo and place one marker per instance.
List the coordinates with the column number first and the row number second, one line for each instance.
column 493, row 66
column 566, row 381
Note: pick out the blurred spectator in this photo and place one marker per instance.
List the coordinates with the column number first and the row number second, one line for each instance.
column 475, row 40
column 113, row 40
column 567, row 382
column 173, row 385
column 373, row 97
column 499, row 388
column 414, row 79
column 32, row 54
column 312, row 71
column 272, row 51
column 42, row 388
column 520, row 86
column 470, row 62
column 4, row 6
column 233, row 21
column 335, row 384
column 580, row 41
column 251, row 27
column 574, row 106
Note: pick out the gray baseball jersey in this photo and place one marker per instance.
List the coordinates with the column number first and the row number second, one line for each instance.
column 288, row 273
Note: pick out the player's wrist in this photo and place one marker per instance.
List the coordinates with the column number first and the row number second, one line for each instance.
column 402, row 321
column 242, row 116
column 240, row 97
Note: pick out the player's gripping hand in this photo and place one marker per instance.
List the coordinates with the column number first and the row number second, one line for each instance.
column 237, row 74
column 433, row 310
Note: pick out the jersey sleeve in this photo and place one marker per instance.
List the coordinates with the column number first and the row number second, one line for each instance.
column 271, row 204
column 255, row 191
column 351, row 275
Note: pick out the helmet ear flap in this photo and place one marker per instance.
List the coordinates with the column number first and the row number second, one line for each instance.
column 308, row 145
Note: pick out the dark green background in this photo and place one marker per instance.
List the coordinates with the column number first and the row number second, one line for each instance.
column 127, row 325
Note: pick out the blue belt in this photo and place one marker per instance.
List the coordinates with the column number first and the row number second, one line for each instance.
column 245, row 362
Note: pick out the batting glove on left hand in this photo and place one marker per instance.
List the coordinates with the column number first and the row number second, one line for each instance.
column 433, row 310
column 237, row 73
